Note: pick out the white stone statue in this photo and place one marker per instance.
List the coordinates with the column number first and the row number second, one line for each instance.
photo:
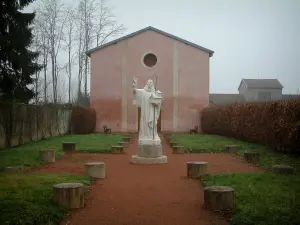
column 149, row 101
column 149, row 144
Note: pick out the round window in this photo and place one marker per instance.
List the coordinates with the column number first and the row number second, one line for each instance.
column 150, row 60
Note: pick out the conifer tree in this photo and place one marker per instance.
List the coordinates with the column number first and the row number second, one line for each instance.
column 17, row 61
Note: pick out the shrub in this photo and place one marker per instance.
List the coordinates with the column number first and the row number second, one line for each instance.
column 83, row 120
column 276, row 123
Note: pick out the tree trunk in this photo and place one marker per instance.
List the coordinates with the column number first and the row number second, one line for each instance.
column 45, row 78
column 53, row 77
column 70, row 73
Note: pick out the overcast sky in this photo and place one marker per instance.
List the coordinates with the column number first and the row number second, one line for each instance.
column 251, row 38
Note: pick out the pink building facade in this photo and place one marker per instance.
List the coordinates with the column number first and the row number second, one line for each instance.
column 182, row 69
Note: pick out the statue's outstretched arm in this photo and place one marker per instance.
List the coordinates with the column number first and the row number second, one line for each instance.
column 134, row 83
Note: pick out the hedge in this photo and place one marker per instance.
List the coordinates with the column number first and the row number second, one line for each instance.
column 276, row 123
column 83, row 120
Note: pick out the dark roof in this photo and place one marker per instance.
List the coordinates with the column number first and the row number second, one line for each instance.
column 220, row 99
column 151, row 29
column 261, row 84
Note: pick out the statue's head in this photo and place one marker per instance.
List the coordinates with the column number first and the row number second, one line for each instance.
column 150, row 84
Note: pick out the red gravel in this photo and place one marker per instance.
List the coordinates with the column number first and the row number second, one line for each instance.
column 146, row 194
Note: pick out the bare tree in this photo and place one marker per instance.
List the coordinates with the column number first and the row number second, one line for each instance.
column 45, row 53
column 99, row 24
column 69, row 47
column 41, row 44
column 52, row 15
column 89, row 8
column 73, row 33
column 107, row 25
column 80, row 43
column 37, row 48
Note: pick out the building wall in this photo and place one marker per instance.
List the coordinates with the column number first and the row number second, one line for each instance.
column 252, row 94
column 242, row 88
column 183, row 79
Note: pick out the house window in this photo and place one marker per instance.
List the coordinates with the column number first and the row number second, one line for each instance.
column 264, row 96
column 150, row 60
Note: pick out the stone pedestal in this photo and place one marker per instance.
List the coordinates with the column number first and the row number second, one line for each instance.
column 149, row 152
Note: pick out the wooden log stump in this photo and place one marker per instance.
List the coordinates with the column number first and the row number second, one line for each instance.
column 230, row 148
column 174, row 143
column 95, row 169
column 251, row 157
column 219, row 198
column 69, row 195
column 14, row 169
column 178, row 149
column 285, row 169
column 117, row 149
column 126, row 139
column 69, row 147
column 123, row 143
column 196, row 169
column 48, row 155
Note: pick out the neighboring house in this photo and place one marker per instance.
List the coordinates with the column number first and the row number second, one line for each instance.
column 260, row 89
column 182, row 68
column 253, row 90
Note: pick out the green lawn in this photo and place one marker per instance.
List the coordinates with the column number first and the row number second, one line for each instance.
column 213, row 143
column 28, row 154
column 262, row 199
column 27, row 198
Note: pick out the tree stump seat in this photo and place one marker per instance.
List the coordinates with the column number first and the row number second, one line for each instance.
column 230, row 148
column 69, row 195
column 251, row 157
column 126, row 139
column 14, row 169
column 219, row 198
column 69, row 147
column 174, row 143
column 284, row 169
column 117, row 149
column 177, row 149
column 196, row 169
column 95, row 169
column 48, row 155
column 123, row 143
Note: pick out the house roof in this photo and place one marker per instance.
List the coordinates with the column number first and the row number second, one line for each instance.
column 149, row 29
column 221, row 99
column 261, row 84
